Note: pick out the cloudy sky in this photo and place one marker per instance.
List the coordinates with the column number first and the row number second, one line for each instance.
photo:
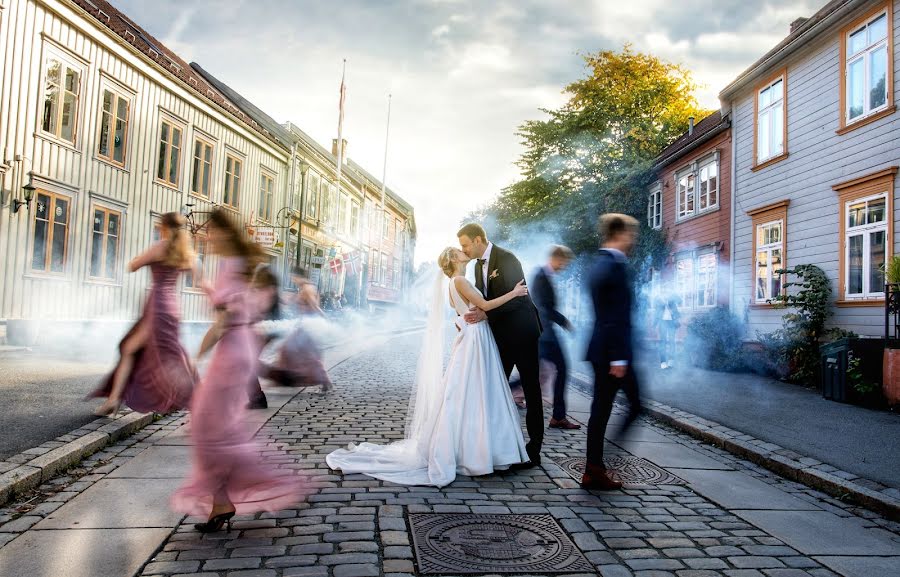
column 463, row 73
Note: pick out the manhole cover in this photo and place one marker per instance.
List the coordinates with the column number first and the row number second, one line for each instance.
column 632, row 471
column 466, row 543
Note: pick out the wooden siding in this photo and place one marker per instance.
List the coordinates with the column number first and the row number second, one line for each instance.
column 818, row 158
column 26, row 28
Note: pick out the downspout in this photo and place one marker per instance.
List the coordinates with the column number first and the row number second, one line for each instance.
column 287, row 231
column 731, row 252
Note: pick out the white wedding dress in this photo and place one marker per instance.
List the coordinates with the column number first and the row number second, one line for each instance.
column 469, row 426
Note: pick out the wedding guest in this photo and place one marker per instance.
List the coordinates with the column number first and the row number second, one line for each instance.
column 543, row 293
column 265, row 290
column 668, row 319
column 154, row 373
column 299, row 360
column 610, row 349
column 229, row 475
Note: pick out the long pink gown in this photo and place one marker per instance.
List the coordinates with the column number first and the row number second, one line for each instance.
column 227, row 461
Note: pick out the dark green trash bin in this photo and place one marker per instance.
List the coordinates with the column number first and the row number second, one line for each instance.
column 834, row 369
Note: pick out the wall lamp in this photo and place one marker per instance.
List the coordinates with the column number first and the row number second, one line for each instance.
column 27, row 195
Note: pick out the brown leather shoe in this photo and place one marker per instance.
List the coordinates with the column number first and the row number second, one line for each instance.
column 599, row 479
column 563, row 424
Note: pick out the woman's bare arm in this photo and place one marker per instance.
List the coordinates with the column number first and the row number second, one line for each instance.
column 155, row 253
column 475, row 298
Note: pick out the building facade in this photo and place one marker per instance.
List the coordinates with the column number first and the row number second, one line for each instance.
column 691, row 202
column 110, row 130
column 815, row 162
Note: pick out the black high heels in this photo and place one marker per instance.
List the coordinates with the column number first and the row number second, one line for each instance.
column 215, row 523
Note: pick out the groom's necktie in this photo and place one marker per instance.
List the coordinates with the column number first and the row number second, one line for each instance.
column 479, row 276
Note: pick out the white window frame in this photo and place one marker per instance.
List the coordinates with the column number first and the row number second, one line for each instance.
column 770, row 113
column 711, row 280
column 686, row 194
column 355, row 213
column 654, row 207
column 865, row 54
column 768, row 249
column 234, row 179
column 204, row 165
column 182, row 127
column 120, row 93
column 265, row 209
column 312, row 194
column 343, row 214
column 66, row 60
column 684, row 283
column 865, row 231
column 711, row 164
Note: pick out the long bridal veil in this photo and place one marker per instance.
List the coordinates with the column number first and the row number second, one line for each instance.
column 406, row 461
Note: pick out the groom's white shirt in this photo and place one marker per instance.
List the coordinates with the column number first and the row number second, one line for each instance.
column 484, row 269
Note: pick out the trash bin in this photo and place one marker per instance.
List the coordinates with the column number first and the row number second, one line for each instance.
column 834, row 369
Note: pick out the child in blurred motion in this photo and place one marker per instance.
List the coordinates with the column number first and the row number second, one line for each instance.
column 265, row 293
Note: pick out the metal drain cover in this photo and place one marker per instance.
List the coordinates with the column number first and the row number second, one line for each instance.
column 468, row 543
column 632, row 471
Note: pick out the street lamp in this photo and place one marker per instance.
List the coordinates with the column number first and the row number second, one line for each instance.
column 27, row 195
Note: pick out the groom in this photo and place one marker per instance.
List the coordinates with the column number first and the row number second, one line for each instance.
column 515, row 325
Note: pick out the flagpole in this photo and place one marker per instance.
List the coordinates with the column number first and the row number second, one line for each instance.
column 387, row 134
column 340, row 139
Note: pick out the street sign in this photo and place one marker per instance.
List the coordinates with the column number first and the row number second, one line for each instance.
column 320, row 260
column 264, row 236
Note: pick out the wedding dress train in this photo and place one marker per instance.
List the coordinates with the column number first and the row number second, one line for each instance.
column 471, row 426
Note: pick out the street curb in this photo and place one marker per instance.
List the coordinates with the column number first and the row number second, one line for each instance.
column 38, row 468
column 789, row 464
column 28, row 469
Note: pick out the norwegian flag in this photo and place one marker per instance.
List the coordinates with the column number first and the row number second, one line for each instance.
column 351, row 261
column 337, row 265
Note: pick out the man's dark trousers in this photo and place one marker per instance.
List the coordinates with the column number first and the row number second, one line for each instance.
column 552, row 352
column 605, row 388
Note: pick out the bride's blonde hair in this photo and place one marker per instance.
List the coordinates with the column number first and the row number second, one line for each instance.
column 446, row 262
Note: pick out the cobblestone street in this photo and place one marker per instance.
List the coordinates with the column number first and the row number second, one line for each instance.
column 716, row 515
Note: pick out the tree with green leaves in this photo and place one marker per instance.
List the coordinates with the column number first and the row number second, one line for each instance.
column 595, row 154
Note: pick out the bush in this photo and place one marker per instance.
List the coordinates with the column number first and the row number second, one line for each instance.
column 714, row 340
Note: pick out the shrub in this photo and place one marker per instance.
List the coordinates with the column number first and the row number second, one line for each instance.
column 714, row 340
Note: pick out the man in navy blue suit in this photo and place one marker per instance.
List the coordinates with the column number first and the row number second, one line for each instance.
column 610, row 349
column 543, row 294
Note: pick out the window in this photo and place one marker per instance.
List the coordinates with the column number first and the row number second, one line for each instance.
column 866, row 231
column 684, row 280
column 202, row 167
column 696, row 278
column 62, row 90
column 654, row 207
column 325, row 193
column 266, row 196
column 705, row 281
column 398, row 232
column 385, row 224
column 200, row 253
column 708, row 190
column 113, row 127
column 354, row 220
column 233, row 168
column 382, row 277
column 49, row 252
column 374, row 261
column 343, row 213
column 771, row 120
column 769, row 251
column 866, row 63
column 105, row 243
column 312, row 195
column 169, row 164
column 685, row 186
column 397, row 275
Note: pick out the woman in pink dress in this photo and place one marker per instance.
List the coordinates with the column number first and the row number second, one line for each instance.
column 154, row 373
column 229, row 476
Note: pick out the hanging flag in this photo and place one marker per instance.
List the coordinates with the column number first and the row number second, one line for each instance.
column 337, row 265
column 351, row 261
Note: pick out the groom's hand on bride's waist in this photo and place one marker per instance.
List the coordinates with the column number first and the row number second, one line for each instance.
column 474, row 316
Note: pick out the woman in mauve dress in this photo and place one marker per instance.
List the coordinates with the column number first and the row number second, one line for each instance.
column 299, row 361
column 154, row 373
column 229, row 475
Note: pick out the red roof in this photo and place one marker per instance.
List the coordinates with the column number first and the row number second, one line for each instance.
column 685, row 143
column 122, row 26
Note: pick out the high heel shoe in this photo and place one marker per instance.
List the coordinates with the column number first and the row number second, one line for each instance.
column 215, row 523
column 107, row 410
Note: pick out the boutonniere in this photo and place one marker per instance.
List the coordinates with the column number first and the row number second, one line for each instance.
column 494, row 274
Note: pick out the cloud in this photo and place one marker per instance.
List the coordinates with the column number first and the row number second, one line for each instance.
column 464, row 74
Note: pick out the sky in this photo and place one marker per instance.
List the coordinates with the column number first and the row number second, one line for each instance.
column 463, row 74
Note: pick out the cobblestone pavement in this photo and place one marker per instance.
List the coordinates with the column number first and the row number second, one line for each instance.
column 355, row 526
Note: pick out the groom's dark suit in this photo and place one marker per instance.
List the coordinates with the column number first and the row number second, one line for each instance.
column 516, row 329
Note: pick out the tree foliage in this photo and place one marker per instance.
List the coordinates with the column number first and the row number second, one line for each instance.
column 594, row 154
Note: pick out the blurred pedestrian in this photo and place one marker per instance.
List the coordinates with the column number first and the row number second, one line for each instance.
column 610, row 350
column 668, row 319
column 154, row 372
column 265, row 296
column 543, row 293
column 229, row 475
column 299, row 362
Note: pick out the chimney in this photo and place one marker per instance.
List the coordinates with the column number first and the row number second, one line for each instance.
column 798, row 23
column 334, row 149
column 690, row 126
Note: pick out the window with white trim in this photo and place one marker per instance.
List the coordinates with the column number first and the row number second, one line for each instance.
column 202, row 169
column 62, row 94
column 312, row 195
column 266, row 197
column 866, row 69
column 383, row 275
column 708, row 188
column 200, row 251
column 865, row 244
column 769, row 260
column 654, row 207
column 684, row 280
column 705, row 280
column 696, row 277
column 397, row 273
column 105, row 243
column 343, row 213
column 354, row 220
column 233, row 174
column 114, row 113
column 770, row 121
column 169, row 162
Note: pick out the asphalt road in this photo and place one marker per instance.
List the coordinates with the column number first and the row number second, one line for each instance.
column 43, row 398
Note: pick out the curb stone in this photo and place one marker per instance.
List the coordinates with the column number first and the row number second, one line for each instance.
column 784, row 462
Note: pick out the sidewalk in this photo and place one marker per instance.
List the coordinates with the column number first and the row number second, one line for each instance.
column 689, row 510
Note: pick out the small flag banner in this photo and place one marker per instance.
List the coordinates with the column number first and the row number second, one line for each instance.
column 352, row 261
column 337, row 265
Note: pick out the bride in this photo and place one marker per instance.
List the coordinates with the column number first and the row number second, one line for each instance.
column 461, row 420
